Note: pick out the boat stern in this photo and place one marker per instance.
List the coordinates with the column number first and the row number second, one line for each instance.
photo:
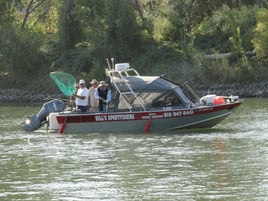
column 53, row 125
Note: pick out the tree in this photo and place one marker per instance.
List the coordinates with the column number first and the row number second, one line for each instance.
column 69, row 24
column 32, row 12
column 261, row 33
column 96, row 29
column 6, row 12
column 122, row 29
column 24, row 38
column 228, row 30
column 6, row 29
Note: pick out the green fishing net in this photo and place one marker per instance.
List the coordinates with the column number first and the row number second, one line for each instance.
column 65, row 82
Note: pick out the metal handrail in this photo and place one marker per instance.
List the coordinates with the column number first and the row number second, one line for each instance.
column 112, row 73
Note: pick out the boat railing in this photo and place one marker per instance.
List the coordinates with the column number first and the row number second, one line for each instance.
column 119, row 72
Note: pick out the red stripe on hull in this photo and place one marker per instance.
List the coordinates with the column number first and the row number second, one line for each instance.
column 130, row 116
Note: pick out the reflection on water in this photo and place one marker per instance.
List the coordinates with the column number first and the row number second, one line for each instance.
column 228, row 162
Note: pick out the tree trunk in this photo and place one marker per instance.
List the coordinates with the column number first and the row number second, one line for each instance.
column 240, row 4
column 139, row 7
column 28, row 11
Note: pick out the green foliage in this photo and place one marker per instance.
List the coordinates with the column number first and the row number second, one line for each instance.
column 108, row 28
column 74, row 60
column 157, row 59
column 69, row 26
column 227, row 31
column 22, row 48
column 261, row 34
column 6, row 12
column 121, row 28
column 156, row 37
column 215, row 70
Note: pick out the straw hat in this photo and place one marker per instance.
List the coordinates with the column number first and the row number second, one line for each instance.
column 94, row 81
column 102, row 83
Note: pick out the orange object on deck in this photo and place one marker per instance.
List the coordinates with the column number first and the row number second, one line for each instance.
column 218, row 100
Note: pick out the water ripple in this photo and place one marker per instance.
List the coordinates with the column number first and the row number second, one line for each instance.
column 228, row 162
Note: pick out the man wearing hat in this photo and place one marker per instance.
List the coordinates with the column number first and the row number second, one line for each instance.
column 82, row 96
column 92, row 101
column 103, row 94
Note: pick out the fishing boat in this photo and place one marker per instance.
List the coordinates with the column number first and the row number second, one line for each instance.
column 140, row 104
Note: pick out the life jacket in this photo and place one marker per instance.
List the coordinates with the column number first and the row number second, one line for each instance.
column 103, row 93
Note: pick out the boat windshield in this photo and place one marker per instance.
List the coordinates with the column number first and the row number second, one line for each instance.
column 190, row 92
column 151, row 100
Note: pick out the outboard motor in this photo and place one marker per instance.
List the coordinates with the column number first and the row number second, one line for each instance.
column 34, row 122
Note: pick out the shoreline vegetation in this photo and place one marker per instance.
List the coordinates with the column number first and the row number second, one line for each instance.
column 219, row 41
column 243, row 90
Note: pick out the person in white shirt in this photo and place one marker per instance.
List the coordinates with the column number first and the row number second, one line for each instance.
column 92, row 101
column 82, row 97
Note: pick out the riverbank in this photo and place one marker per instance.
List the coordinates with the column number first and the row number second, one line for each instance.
column 245, row 90
column 17, row 96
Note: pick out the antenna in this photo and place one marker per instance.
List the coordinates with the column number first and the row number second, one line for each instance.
column 112, row 62
column 108, row 63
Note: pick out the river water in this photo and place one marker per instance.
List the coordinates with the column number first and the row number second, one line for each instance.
column 228, row 162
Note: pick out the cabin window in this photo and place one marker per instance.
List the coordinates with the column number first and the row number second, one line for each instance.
column 151, row 99
column 167, row 100
column 161, row 99
column 171, row 101
column 184, row 99
column 145, row 97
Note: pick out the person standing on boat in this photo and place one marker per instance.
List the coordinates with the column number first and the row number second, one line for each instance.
column 81, row 96
column 103, row 94
column 92, row 100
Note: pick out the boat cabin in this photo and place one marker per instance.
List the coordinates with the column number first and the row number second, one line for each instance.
column 134, row 92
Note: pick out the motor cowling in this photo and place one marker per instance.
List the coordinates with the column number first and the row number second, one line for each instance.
column 34, row 122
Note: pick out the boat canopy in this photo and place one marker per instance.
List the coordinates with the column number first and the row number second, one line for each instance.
column 152, row 89
column 145, row 83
